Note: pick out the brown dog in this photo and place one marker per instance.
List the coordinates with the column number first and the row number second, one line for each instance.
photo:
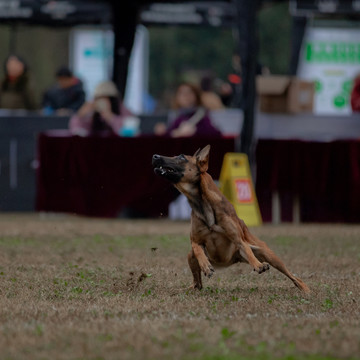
column 218, row 237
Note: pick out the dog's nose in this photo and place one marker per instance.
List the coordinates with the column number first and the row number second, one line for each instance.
column 156, row 157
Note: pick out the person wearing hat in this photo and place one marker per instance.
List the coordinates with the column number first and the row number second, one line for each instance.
column 104, row 114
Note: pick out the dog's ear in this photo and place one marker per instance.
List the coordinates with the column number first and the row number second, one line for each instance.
column 202, row 158
column 196, row 153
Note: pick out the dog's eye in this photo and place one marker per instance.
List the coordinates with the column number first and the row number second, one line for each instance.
column 182, row 157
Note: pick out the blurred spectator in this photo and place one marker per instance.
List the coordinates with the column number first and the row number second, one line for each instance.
column 15, row 90
column 226, row 92
column 192, row 118
column 355, row 95
column 104, row 113
column 209, row 98
column 231, row 91
column 66, row 96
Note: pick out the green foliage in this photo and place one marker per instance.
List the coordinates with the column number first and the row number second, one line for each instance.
column 39, row 330
column 275, row 37
column 105, row 337
column 177, row 53
column 327, row 304
column 177, row 50
column 272, row 298
column 227, row 334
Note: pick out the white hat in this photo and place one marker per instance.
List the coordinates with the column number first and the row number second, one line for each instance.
column 106, row 88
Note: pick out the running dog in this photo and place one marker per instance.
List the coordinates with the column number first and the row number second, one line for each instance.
column 218, row 237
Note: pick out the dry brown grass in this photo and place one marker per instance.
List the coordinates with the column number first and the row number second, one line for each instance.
column 74, row 288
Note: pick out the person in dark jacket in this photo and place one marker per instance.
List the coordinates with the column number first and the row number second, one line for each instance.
column 67, row 96
column 15, row 90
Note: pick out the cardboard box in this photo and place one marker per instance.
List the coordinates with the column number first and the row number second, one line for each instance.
column 285, row 94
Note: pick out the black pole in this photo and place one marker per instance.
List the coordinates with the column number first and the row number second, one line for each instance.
column 246, row 23
column 125, row 17
column 297, row 35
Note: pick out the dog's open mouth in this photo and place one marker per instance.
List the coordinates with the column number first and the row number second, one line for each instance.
column 167, row 168
column 163, row 170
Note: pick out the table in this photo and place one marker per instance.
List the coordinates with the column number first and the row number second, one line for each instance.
column 307, row 126
column 105, row 176
column 322, row 177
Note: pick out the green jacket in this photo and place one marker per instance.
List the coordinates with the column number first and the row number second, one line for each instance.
column 14, row 98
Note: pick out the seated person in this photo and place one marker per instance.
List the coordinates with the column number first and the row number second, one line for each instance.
column 66, row 96
column 104, row 114
column 209, row 98
column 15, row 90
column 192, row 119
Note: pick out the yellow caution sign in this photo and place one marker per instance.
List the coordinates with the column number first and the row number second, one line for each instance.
column 237, row 186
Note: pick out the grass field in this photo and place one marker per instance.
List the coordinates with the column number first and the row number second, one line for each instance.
column 73, row 288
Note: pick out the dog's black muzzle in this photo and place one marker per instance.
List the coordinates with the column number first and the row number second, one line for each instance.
column 167, row 168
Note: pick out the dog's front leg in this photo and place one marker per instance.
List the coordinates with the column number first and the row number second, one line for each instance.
column 196, row 270
column 202, row 259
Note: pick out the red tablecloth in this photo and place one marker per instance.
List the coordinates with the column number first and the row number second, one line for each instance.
column 325, row 176
column 102, row 176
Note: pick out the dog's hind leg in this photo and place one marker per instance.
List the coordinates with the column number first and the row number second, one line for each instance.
column 196, row 270
column 266, row 254
column 263, row 253
column 235, row 233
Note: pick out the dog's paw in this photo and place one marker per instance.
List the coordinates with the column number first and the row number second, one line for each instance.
column 195, row 286
column 262, row 268
column 208, row 271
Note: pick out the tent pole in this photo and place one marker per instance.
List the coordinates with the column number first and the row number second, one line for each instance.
column 246, row 23
column 297, row 35
column 124, row 24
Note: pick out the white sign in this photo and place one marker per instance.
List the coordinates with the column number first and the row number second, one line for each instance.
column 137, row 82
column 91, row 59
column 331, row 58
column 91, row 56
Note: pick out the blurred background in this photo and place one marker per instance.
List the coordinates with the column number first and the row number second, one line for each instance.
column 278, row 80
column 173, row 50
